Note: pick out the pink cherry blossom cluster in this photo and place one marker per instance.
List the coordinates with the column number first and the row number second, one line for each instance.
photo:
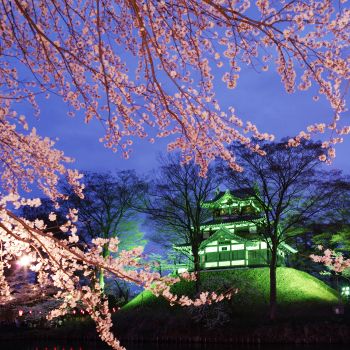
column 333, row 260
column 327, row 145
column 27, row 159
column 81, row 51
column 5, row 292
column 60, row 262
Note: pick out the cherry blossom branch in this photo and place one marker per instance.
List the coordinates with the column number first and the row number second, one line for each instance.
column 335, row 261
column 61, row 262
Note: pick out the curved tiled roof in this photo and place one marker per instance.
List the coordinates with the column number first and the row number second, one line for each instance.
column 233, row 219
column 240, row 193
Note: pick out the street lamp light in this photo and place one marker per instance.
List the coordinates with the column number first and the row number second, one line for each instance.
column 25, row 260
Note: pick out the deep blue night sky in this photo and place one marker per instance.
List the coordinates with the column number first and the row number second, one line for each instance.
column 259, row 97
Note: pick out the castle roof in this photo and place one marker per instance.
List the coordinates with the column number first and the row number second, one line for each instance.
column 242, row 193
column 233, row 219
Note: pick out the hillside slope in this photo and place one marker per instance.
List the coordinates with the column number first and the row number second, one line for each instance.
column 294, row 288
column 303, row 301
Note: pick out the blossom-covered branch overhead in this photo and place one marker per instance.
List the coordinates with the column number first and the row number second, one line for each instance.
column 140, row 68
column 136, row 65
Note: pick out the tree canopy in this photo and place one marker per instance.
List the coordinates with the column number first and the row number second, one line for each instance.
column 175, row 203
column 292, row 190
column 108, row 210
column 139, row 65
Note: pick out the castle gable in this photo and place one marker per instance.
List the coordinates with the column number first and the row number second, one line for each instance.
column 220, row 236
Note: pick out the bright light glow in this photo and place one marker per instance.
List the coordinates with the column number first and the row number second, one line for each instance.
column 25, row 260
column 345, row 291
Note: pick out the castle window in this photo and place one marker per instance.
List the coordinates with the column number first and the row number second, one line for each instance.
column 234, row 211
column 223, row 212
column 211, row 257
column 247, row 209
column 216, row 212
column 224, row 256
column 253, row 254
column 238, row 255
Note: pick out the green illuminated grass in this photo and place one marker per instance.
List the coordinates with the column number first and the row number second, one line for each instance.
column 297, row 291
column 141, row 299
column 302, row 299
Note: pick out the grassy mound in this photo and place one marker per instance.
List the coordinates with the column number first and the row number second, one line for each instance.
column 295, row 289
column 302, row 300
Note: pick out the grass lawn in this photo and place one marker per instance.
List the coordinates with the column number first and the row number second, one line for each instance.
column 304, row 311
column 294, row 288
column 299, row 296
